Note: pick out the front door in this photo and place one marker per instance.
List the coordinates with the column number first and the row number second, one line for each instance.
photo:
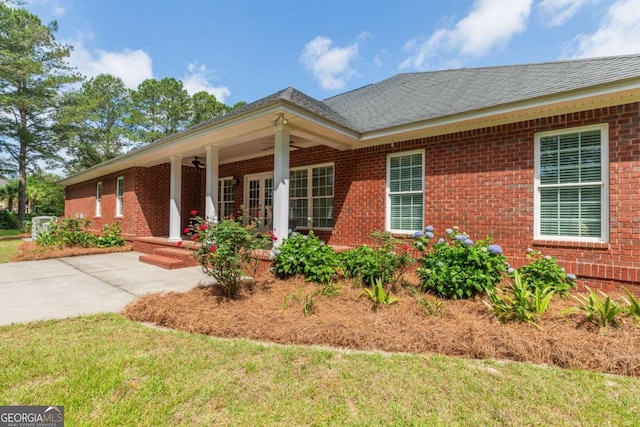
column 259, row 200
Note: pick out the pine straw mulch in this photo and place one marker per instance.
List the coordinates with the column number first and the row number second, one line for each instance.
column 464, row 328
column 30, row 251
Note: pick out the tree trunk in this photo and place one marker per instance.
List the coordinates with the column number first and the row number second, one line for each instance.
column 23, row 135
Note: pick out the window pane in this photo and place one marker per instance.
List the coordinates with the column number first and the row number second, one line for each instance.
column 298, row 183
column 298, row 212
column 570, row 158
column 405, row 192
column 572, row 211
column 405, row 173
column 406, row 211
column 323, row 212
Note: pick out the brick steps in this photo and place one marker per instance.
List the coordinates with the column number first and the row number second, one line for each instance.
column 169, row 258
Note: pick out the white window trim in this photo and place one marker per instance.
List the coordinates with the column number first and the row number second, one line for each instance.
column 119, row 201
column 221, row 200
column 99, row 199
column 604, row 183
column 388, row 192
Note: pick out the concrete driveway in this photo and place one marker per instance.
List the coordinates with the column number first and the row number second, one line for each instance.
column 66, row 287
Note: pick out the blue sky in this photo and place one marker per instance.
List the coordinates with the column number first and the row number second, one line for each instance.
column 244, row 50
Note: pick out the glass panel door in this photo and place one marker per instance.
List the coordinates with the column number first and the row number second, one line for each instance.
column 259, row 201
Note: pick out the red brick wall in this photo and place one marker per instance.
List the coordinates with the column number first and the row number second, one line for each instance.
column 152, row 188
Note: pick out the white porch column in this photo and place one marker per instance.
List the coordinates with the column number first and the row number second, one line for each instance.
column 211, row 195
column 281, row 182
column 175, row 195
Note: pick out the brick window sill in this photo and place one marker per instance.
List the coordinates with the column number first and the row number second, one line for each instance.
column 566, row 244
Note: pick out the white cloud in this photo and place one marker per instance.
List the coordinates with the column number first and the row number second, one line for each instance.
column 330, row 65
column 490, row 23
column 54, row 7
column 196, row 80
column 132, row 66
column 560, row 11
column 619, row 33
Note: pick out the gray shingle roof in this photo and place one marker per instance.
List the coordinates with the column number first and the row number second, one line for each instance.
column 413, row 97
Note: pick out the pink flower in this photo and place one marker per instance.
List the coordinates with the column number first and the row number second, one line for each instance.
column 186, row 230
column 194, row 212
column 212, row 249
column 179, row 244
column 194, row 237
column 203, row 227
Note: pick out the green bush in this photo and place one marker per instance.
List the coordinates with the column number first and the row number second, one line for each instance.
column 455, row 266
column 306, row 255
column 544, row 272
column 367, row 264
column 602, row 312
column 8, row 219
column 71, row 231
column 228, row 251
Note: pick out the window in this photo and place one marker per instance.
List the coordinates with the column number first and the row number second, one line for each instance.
column 99, row 199
column 311, row 196
column 571, row 184
column 405, row 192
column 120, row 196
column 225, row 197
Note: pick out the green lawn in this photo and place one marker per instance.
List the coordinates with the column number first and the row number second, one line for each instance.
column 107, row 370
column 9, row 232
column 8, row 249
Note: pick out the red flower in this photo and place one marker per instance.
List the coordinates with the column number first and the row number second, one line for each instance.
column 273, row 237
column 179, row 244
column 187, row 230
column 194, row 237
column 212, row 249
column 405, row 247
column 203, row 227
column 194, row 212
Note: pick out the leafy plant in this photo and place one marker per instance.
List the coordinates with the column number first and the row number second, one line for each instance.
column 544, row 272
column 306, row 302
column 367, row 264
column 518, row 301
column 110, row 236
column 378, row 295
column 328, row 290
column 602, row 312
column 456, row 266
column 633, row 305
column 306, row 255
column 68, row 231
column 227, row 251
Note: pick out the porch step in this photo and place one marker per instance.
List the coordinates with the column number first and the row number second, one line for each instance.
column 177, row 253
column 165, row 262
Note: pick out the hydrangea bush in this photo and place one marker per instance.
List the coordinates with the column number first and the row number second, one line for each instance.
column 455, row 266
column 227, row 251
column 384, row 263
column 306, row 255
column 544, row 272
column 72, row 231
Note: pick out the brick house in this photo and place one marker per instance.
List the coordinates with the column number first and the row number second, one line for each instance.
column 544, row 155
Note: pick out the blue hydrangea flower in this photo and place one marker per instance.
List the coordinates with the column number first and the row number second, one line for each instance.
column 468, row 242
column 495, row 249
column 462, row 237
column 429, row 234
column 305, row 237
column 440, row 264
column 417, row 234
column 419, row 244
column 448, row 231
column 571, row 276
column 277, row 252
column 428, row 228
column 440, row 241
column 294, row 234
column 511, row 270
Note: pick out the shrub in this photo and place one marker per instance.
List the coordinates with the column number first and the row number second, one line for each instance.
column 544, row 272
column 8, row 220
column 602, row 312
column 378, row 294
column 67, row 231
column 456, row 266
column 367, row 264
column 227, row 251
column 110, row 236
column 306, row 255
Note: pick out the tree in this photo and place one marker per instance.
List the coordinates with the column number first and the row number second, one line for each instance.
column 45, row 195
column 159, row 108
column 205, row 106
column 91, row 122
column 33, row 71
